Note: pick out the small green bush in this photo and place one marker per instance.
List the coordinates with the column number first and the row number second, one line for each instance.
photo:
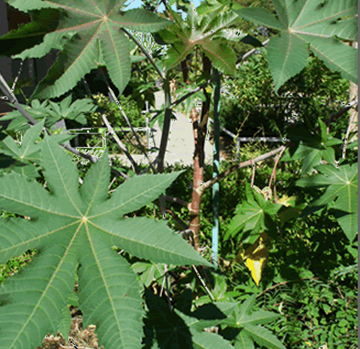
column 113, row 113
column 253, row 109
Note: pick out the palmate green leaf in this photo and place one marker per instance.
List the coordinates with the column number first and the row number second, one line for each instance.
column 52, row 111
column 316, row 23
column 75, row 111
column 209, row 315
column 313, row 148
column 28, row 150
column 65, row 322
column 263, row 337
column 37, row 111
column 251, row 216
column 200, row 31
column 167, row 328
column 259, row 317
column 98, row 41
column 240, row 312
column 70, row 227
column 341, row 185
column 202, row 340
column 51, row 41
column 241, row 317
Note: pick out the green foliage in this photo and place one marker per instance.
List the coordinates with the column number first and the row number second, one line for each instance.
column 341, row 185
column 117, row 121
column 251, row 216
column 311, row 276
column 75, row 227
column 252, row 109
column 301, row 26
column 97, row 42
column 206, row 32
column 182, row 327
column 28, row 152
column 53, row 112
column 113, row 113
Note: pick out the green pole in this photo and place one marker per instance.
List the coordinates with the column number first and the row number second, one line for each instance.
column 216, row 161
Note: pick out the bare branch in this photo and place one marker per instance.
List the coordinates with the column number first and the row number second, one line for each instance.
column 335, row 116
column 132, row 129
column 225, row 173
column 120, row 144
column 203, row 283
column 176, row 200
column 184, row 225
column 249, row 53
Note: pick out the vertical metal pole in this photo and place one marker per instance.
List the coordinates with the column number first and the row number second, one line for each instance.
column 216, row 161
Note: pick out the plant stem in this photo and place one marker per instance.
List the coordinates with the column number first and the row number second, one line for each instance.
column 164, row 139
column 199, row 132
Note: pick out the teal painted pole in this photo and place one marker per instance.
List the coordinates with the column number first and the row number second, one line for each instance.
column 216, row 162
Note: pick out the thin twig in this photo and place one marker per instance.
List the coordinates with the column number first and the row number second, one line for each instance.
column 17, row 78
column 203, row 283
column 120, row 144
column 132, row 129
column 168, row 295
column 335, row 116
column 197, row 89
column 112, row 182
column 178, row 219
column 113, row 98
column 273, row 174
column 156, row 161
column 87, row 88
column 177, row 200
column 249, row 53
